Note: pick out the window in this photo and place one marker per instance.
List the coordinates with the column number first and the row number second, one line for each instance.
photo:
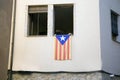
column 63, row 19
column 37, row 24
column 114, row 25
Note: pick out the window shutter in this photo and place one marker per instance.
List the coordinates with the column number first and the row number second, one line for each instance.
column 37, row 9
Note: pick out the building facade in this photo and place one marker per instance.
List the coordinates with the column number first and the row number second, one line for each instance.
column 94, row 42
column 109, row 45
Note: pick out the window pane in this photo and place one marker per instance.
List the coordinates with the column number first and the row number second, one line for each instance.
column 37, row 21
column 114, row 23
column 63, row 19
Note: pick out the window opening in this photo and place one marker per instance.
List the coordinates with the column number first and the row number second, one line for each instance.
column 114, row 24
column 63, row 19
column 37, row 24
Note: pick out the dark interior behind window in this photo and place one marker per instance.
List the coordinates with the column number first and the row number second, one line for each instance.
column 114, row 24
column 63, row 19
column 37, row 20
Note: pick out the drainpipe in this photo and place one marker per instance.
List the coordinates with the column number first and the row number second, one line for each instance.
column 11, row 47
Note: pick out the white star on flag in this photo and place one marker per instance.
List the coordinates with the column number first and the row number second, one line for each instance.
column 62, row 38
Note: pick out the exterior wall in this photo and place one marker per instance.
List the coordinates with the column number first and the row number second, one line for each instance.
column 110, row 50
column 37, row 53
column 5, row 23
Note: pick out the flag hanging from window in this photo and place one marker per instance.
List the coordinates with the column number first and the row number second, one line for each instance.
column 62, row 47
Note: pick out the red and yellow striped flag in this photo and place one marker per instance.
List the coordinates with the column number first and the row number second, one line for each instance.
column 62, row 47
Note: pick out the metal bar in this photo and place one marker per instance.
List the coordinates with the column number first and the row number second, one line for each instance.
column 12, row 39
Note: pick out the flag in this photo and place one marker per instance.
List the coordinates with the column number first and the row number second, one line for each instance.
column 62, row 47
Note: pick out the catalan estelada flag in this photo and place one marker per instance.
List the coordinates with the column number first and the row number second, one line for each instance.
column 62, row 47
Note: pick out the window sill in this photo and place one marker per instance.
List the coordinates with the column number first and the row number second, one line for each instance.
column 116, row 39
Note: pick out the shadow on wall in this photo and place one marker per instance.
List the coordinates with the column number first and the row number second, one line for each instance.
column 5, row 23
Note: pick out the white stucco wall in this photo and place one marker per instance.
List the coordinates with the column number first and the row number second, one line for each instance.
column 110, row 50
column 37, row 53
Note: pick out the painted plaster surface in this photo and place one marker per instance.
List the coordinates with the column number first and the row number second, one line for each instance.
column 110, row 50
column 36, row 53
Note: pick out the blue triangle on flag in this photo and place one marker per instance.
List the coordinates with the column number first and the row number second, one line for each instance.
column 62, row 38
